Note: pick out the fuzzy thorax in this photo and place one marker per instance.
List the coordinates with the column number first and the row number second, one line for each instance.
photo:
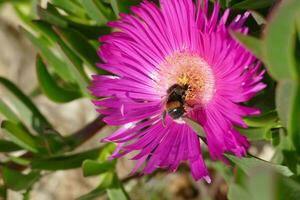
column 188, row 69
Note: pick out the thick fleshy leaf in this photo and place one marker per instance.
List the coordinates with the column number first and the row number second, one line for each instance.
column 260, row 20
column 248, row 163
column 76, row 68
column 19, row 160
column 238, row 192
column 249, row 42
column 106, row 181
column 122, row 6
column 81, row 46
column 81, row 77
column 58, row 64
column 7, row 146
column 8, row 112
column 97, row 11
column 75, row 64
column 109, row 183
column 45, row 29
column 287, row 101
column 14, row 1
column 17, row 181
column 253, row 4
column 255, row 133
column 53, row 144
column 261, row 127
column 65, row 162
column 52, row 16
column 280, row 39
column 92, row 167
column 264, row 183
column 31, row 115
column 294, row 125
column 26, row 107
column 20, row 136
column 70, row 7
column 284, row 92
column 292, row 160
column 50, row 87
column 3, row 190
column 266, row 119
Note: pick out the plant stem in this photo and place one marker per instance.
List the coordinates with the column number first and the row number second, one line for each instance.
column 84, row 134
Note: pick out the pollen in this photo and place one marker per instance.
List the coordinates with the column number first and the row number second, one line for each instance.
column 188, row 69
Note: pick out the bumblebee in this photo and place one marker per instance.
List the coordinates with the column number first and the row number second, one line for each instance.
column 175, row 101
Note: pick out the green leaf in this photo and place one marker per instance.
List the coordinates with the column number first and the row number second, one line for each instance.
column 52, row 16
column 92, row 167
column 263, row 120
column 26, row 194
column 238, row 192
column 50, row 87
column 122, row 6
column 75, row 64
column 116, row 194
column 291, row 159
column 45, row 29
column 18, row 181
column 14, row 1
column 19, row 160
column 20, row 136
column 8, row 113
column 287, row 101
column 97, row 11
column 52, row 143
column 109, row 183
column 254, row 134
column 279, row 41
column 260, row 20
column 65, row 162
column 25, row 11
column 92, row 194
column 263, row 183
column 116, row 190
column 58, row 65
column 101, row 189
column 253, row 4
column 284, row 92
column 196, row 126
column 34, row 117
column 287, row 189
column 7, row 146
column 294, row 125
column 3, row 190
column 70, row 7
column 249, row 42
column 261, row 126
column 81, row 46
column 248, row 163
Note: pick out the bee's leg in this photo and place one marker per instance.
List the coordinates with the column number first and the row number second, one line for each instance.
column 163, row 117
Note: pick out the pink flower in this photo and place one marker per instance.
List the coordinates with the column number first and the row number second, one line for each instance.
column 170, row 64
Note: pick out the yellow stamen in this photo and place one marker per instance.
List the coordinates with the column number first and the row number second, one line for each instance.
column 191, row 70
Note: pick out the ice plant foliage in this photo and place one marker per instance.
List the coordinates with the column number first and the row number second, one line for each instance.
column 180, row 43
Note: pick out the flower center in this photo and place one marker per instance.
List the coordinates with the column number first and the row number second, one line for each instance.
column 187, row 69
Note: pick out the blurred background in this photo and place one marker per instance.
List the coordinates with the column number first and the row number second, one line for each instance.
column 45, row 144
